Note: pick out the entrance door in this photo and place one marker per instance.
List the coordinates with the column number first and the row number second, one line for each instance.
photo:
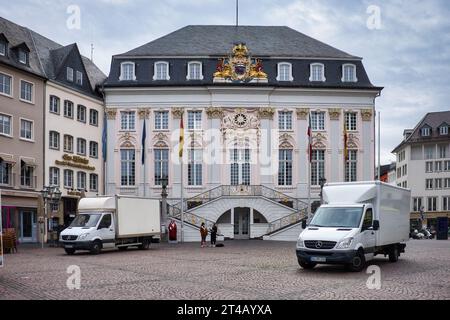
column 28, row 226
column 240, row 167
column 242, row 223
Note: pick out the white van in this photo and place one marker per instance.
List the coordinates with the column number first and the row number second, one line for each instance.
column 357, row 221
column 112, row 222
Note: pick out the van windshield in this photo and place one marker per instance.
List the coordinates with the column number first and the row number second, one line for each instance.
column 85, row 220
column 337, row 217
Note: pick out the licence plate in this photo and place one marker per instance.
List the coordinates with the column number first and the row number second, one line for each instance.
column 68, row 246
column 318, row 259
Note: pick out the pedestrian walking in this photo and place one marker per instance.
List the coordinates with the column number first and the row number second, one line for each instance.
column 213, row 235
column 203, row 234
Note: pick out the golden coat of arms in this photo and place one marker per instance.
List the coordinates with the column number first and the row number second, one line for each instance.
column 239, row 67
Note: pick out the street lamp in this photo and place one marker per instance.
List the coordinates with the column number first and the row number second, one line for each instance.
column 50, row 194
column 322, row 182
column 164, row 182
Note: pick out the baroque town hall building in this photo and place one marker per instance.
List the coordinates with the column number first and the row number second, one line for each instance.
column 246, row 95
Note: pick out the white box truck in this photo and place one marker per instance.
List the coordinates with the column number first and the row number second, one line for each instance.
column 112, row 222
column 357, row 221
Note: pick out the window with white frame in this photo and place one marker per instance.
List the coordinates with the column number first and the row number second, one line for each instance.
column 68, row 109
column 417, row 204
column 317, row 72
column 195, row 167
column 5, row 84
column 443, row 151
column 68, row 143
column 93, row 149
column 447, row 165
column 285, row 167
column 127, row 120
column 432, row 204
column 349, row 73
column 81, row 113
column 425, row 131
column 127, row 71
column 127, row 167
column 446, row 203
column 5, row 124
column 69, row 74
column 350, row 121
column 93, row 117
column 447, row 183
column 5, row 173
column 438, row 183
column 285, row 72
column 54, row 104
column 194, row 71
column 79, row 79
column 26, row 129
column 26, row 91
column 285, row 120
column 93, row 182
column 317, row 166
column 54, row 176
column 3, row 47
column 430, row 152
column 240, row 166
column 81, row 147
column 68, row 179
column 81, row 180
column 23, row 56
column 438, row 166
column 194, row 120
column 53, row 140
column 161, row 165
column 351, row 166
column 161, row 120
column 429, row 184
column 161, row 71
column 429, row 167
column 443, row 130
column 318, row 121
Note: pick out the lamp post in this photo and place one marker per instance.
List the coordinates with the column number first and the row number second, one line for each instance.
column 164, row 194
column 50, row 194
column 322, row 182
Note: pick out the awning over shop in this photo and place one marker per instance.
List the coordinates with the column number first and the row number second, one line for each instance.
column 8, row 158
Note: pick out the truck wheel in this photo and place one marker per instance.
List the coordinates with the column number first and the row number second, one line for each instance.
column 394, row 254
column 69, row 251
column 358, row 262
column 306, row 265
column 145, row 244
column 96, row 247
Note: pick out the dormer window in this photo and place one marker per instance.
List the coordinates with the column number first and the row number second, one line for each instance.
column 161, row 71
column 285, row 72
column 443, row 130
column 194, row 71
column 3, row 47
column 23, row 56
column 425, row 132
column 69, row 74
column 127, row 71
column 317, row 72
column 349, row 73
column 79, row 78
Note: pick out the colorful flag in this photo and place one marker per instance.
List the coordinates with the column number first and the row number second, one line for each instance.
column 104, row 137
column 144, row 137
column 180, row 152
column 310, row 148
column 345, row 143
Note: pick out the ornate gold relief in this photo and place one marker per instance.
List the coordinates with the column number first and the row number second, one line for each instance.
column 302, row 113
column 177, row 113
column 144, row 113
column 266, row 113
column 214, row 113
column 111, row 113
column 335, row 114
column 366, row 114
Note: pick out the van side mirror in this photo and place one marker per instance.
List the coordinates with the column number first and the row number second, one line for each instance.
column 376, row 225
column 304, row 224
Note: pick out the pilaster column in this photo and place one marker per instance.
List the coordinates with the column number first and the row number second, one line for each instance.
column 111, row 187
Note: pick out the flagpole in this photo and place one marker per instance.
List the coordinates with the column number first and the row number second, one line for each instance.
column 182, row 200
column 309, row 165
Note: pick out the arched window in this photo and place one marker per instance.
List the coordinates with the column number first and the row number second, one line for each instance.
column 161, row 71
column 195, row 71
column 127, row 71
column 349, row 73
column 285, row 72
column 317, row 72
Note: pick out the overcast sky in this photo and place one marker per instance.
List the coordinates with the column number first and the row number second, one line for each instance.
column 409, row 55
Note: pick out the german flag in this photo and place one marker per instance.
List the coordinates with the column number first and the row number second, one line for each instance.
column 181, row 147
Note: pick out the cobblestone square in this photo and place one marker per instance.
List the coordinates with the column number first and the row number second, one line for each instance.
column 241, row 270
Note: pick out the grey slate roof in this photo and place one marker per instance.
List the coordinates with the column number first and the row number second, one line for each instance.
column 208, row 40
column 46, row 56
column 434, row 120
